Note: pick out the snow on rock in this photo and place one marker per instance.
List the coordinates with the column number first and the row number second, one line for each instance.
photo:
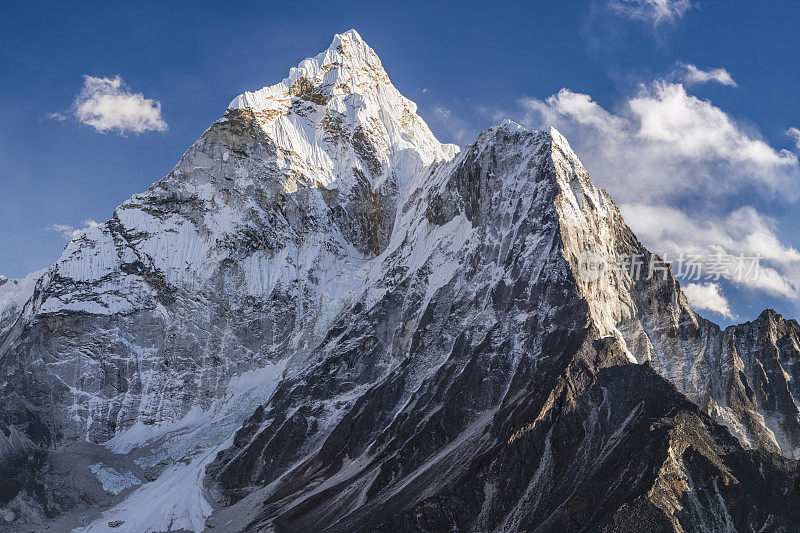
column 176, row 499
column 14, row 294
column 316, row 259
column 345, row 89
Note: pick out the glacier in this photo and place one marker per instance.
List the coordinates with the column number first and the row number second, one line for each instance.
column 324, row 317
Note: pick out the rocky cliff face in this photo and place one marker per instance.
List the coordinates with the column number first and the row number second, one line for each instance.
column 323, row 317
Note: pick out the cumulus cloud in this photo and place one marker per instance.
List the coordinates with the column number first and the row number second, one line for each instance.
column 695, row 76
column 744, row 233
column 794, row 133
column 655, row 11
column 707, row 297
column 108, row 105
column 664, row 142
column 70, row 232
column 683, row 172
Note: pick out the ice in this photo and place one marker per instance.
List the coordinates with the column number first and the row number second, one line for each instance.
column 112, row 480
column 176, row 499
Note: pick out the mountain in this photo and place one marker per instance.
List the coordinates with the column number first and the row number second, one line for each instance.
column 324, row 318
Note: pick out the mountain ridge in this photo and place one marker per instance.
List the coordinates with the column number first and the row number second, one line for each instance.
column 320, row 294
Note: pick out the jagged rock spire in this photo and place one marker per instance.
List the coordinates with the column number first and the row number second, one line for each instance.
column 345, row 93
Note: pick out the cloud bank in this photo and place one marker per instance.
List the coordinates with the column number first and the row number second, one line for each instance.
column 670, row 141
column 683, row 171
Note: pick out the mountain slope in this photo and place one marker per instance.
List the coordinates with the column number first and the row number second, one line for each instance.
column 325, row 317
column 508, row 348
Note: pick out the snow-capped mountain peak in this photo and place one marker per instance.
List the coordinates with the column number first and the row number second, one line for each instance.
column 344, row 96
column 323, row 317
column 348, row 66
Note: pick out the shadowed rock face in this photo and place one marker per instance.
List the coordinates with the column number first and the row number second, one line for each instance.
column 324, row 318
column 513, row 403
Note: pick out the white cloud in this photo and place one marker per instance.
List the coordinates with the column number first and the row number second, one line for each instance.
column 794, row 133
column 65, row 230
column 655, row 11
column 693, row 75
column 682, row 169
column 742, row 233
column 667, row 115
column 106, row 104
column 576, row 108
column 70, row 232
column 707, row 297
column 664, row 143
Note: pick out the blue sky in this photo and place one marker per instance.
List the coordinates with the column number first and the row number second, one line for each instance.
column 680, row 109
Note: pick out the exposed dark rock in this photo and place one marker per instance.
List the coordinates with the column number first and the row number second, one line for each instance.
column 337, row 323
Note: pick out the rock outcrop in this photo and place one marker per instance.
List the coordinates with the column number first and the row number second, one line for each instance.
column 324, row 318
